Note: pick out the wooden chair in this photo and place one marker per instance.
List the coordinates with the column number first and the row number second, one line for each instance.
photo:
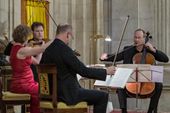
column 8, row 98
column 48, row 92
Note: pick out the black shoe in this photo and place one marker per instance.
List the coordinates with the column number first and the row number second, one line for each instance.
column 124, row 110
column 150, row 111
column 155, row 111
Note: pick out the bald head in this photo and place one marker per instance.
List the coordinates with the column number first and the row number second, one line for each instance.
column 62, row 28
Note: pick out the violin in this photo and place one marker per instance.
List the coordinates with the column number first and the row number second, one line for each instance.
column 77, row 53
column 33, row 43
column 144, row 89
column 37, row 43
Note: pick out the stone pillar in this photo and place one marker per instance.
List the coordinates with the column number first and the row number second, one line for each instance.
column 10, row 14
column 4, row 24
column 162, row 24
column 86, row 17
column 115, row 20
column 99, row 29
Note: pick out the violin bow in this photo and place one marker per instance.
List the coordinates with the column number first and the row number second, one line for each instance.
column 121, row 38
column 48, row 12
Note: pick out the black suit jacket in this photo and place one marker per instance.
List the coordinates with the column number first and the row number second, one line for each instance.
column 68, row 65
column 129, row 51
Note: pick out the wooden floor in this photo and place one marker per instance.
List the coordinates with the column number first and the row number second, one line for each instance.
column 118, row 111
column 114, row 111
column 130, row 111
column 135, row 112
column 90, row 111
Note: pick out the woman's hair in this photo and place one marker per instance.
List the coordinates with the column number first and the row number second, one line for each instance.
column 21, row 33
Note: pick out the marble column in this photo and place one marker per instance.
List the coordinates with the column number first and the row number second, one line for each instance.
column 162, row 24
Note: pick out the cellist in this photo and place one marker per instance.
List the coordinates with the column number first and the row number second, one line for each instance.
column 127, row 56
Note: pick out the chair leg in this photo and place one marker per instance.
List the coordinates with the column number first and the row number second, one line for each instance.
column 3, row 109
column 23, row 109
column 52, row 111
column 0, row 107
column 55, row 110
column 48, row 111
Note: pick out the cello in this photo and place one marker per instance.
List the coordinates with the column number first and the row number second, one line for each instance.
column 143, row 89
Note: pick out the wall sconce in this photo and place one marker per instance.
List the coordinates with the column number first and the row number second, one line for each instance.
column 108, row 39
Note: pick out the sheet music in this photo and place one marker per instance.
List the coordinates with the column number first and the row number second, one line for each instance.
column 146, row 72
column 103, row 83
column 118, row 80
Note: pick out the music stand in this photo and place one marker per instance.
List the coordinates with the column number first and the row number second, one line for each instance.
column 143, row 73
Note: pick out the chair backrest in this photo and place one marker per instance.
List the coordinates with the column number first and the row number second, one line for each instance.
column 0, row 86
column 7, row 97
column 47, row 74
column 4, row 84
column 6, row 74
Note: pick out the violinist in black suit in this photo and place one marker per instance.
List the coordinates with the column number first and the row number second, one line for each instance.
column 37, row 40
column 127, row 57
column 68, row 65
